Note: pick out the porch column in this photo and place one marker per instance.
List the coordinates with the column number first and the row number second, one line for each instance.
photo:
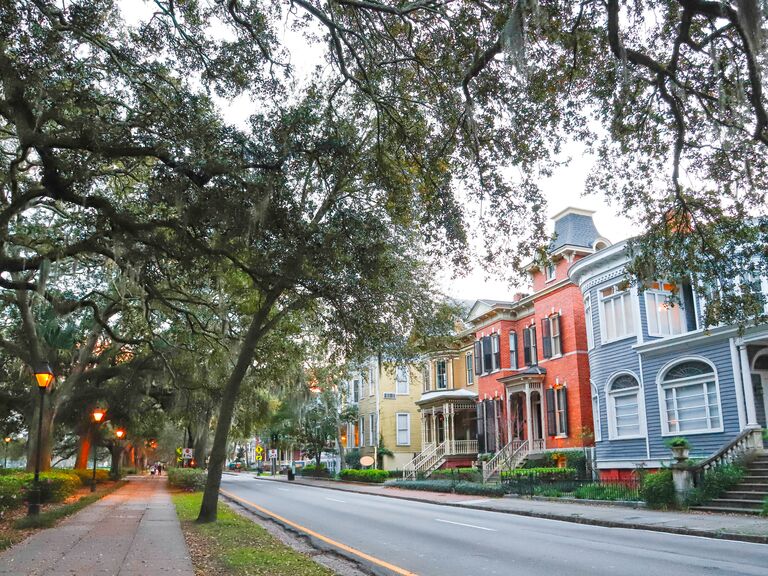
column 434, row 427
column 528, row 418
column 452, row 429
column 749, row 393
column 423, row 430
column 508, row 402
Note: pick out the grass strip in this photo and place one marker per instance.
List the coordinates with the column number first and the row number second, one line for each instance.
column 238, row 546
column 49, row 518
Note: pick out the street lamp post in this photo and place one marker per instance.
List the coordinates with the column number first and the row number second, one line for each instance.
column 7, row 441
column 44, row 377
column 119, row 433
column 97, row 415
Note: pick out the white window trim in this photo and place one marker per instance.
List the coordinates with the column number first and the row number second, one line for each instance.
column 397, row 428
column 552, row 337
column 495, row 338
column 407, row 381
column 664, row 294
column 445, row 375
column 371, row 429
column 634, row 309
column 665, row 432
column 547, row 277
column 612, row 433
column 558, row 433
column 589, row 323
column 597, row 423
column 361, row 436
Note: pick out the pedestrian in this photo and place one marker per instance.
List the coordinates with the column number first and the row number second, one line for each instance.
column 152, row 471
column 159, row 469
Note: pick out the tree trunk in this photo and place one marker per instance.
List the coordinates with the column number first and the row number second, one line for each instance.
column 83, row 450
column 46, row 444
column 116, row 452
column 209, row 507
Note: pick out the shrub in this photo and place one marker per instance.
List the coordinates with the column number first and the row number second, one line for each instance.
column 479, row 489
column 317, row 472
column 372, row 475
column 541, row 474
column 11, row 491
column 352, row 458
column 658, row 490
column 55, row 485
column 473, row 488
column 428, row 485
column 677, row 442
column 765, row 507
column 467, row 474
column 715, row 482
column 86, row 475
column 187, row 478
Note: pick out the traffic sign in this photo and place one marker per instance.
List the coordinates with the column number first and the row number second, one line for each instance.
column 259, row 449
column 273, row 454
column 259, row 458
column 187, row 454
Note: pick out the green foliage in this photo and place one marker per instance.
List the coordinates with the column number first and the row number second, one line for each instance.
column 11, row 491
column 677, row 442
column 458, row 474
column 614, row 491
column 85, row 476
column 55, row 486
column 715, row 482
column 542, row 474
column 191, row 479
column 315, row 471
column 352, row 458
column 658, row 490
column 369, row 475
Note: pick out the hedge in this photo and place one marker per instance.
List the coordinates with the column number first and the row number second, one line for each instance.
column 86, row 475
column 658, row 490
column 317, row 472
column 191, row 479
column 542, row 474
column 715, row 482
column 370, row 475
column 55, row 486
column 11, row 491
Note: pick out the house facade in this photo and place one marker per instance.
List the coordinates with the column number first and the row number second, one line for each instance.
column 388, row 420
column 657, row 372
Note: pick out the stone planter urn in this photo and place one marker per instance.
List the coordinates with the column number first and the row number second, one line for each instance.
column 680, row 452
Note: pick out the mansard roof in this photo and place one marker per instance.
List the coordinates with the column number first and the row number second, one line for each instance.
column 574, row 227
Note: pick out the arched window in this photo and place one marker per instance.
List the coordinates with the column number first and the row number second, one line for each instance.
column 596, row 413
column 624, row 407
column 691, row 400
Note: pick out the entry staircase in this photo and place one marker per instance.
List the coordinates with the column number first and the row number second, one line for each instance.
column 425, row 462
column 748, row 496
column 508, row 458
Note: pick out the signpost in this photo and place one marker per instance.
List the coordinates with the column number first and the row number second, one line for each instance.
column 187, row 454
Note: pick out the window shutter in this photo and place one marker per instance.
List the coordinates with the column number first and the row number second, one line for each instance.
column 478, row 357
column 534, row 353
column 527, row 346
column 551, row 415
column 559, row 332
column 546, row 337
column 480, row 428
column 487, row 354
column 497, row 354
column 490, row 425
column 513, row 349
column 564, row 407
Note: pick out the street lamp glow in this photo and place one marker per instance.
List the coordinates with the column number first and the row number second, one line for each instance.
column 98, row 415
column 44, row 376
column 119, row 433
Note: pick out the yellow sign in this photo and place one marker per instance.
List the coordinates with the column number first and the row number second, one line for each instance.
column 258, row 457
column 259, row 449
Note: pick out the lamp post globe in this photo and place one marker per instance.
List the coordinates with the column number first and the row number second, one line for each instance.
column 44, row 377
column 97, row 416
column 6, row 441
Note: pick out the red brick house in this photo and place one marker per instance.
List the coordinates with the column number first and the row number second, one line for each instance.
column 530, row 355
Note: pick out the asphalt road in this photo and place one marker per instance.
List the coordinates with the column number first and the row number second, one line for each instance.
column 428, row 539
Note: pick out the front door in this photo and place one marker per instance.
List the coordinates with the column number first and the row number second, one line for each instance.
column 760, row 389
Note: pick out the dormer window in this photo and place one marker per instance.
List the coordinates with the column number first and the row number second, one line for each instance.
column 550, row 271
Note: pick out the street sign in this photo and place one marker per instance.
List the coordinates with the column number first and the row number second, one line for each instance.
column 187, row 454
column 259, row 449
column 273, row 454
column 259, row 457
column 366, row 461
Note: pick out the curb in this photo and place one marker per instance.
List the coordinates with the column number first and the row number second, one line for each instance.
column 752, row 538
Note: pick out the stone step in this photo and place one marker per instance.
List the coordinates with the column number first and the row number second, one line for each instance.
column 721, row 510
column 755, row 495
column 741, row 504
column 755, row 479
column 753, row 487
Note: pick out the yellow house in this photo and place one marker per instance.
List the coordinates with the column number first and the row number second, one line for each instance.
column 385, row 394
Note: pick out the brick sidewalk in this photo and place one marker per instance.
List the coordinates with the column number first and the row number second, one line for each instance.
column 131, row 532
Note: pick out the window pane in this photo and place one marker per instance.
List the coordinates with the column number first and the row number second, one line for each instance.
column 650, row 309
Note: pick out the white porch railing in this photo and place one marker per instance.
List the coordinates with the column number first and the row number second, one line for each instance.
column 538, row 445
column 464, row 447
column 425, row 462
column 508, row 458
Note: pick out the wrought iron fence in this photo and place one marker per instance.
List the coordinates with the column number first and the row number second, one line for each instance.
column 565, row 486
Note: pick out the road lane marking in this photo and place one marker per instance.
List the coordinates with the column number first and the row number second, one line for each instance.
column 336, row 500
column 354, row 551
column 467, row 525
column 285, row 489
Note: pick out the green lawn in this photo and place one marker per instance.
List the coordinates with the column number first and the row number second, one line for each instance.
column 239, row 546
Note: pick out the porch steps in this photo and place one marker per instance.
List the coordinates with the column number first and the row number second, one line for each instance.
column 748, row 496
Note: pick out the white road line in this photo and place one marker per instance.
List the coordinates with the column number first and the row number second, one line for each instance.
column 467, row 525
column 335, row 500
column 285, row 489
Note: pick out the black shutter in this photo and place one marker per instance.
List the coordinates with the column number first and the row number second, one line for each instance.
column 486, row 353
column 556, row 320
column 534, row 353
column 546, row 337
column 513, row 349
column 551, row 415
column 478, row 357
column 497, row 354
column 480, row 429
column 527, row 346
column 564, row 408
column 689, row 307
column 490, row 425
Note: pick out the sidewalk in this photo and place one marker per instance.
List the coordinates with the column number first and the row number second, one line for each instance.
column 131, row 532
column 727, row 526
